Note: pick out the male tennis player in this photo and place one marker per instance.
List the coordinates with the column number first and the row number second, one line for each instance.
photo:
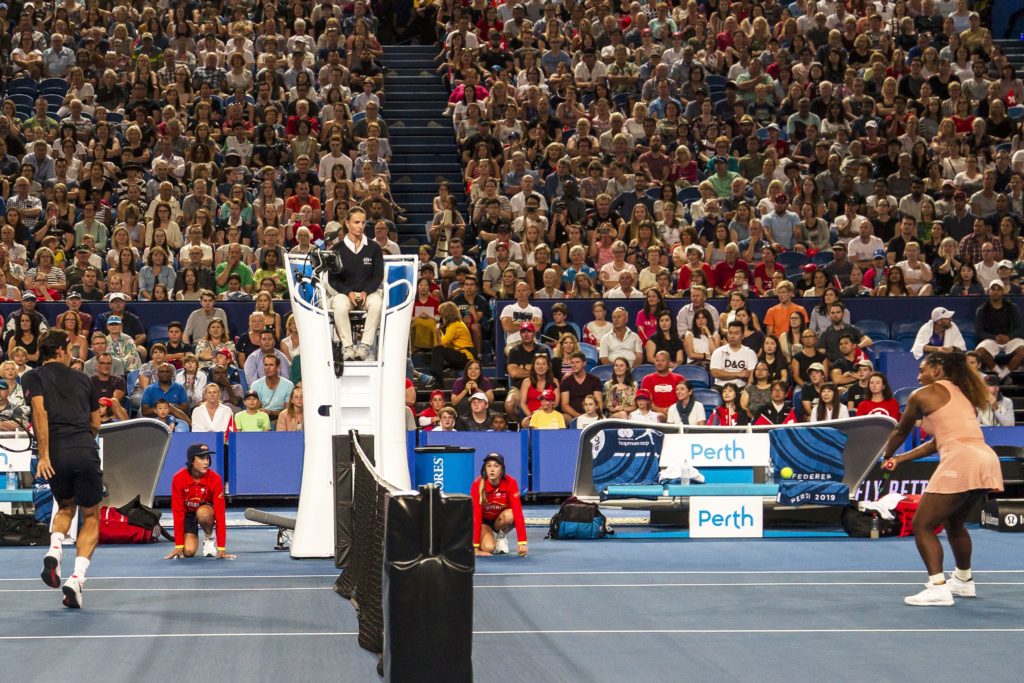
column 66, row 419
column 197, row 500
column 496, row 509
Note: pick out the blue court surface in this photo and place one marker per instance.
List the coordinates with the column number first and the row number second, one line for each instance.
column 781, row 609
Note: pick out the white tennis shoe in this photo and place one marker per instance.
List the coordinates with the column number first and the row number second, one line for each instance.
column 72, row 589
column 934, row 595
column 209, row 547
column 500, row 543
column 961, row 588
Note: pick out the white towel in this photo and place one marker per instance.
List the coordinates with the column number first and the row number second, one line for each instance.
column 883, row 506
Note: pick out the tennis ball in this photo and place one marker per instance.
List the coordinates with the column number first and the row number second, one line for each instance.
column 786, row 472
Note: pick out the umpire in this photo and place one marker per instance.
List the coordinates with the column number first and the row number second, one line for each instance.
column 66, row 419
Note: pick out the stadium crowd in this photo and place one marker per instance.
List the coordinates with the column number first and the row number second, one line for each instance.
column 154, row 151
column 733, row 150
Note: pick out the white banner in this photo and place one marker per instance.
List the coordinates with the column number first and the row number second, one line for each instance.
column 726, row 517
column 716, row 450
column 18, row 458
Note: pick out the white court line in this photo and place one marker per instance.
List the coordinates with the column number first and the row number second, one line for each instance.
column 741, row 584
column 527, row 574
column 538, row 632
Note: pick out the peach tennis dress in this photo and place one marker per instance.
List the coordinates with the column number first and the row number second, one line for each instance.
column 966, row 463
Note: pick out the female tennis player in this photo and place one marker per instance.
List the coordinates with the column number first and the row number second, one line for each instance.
column 968, row 469
column 496, row 509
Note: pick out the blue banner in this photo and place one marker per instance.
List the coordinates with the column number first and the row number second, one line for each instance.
column 626, row 456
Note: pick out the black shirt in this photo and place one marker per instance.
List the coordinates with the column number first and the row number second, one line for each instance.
column 69, row 397
column 580, row 390
column 362, row 271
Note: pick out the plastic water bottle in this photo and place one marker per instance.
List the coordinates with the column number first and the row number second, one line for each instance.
column 769, row 473
column 12, row 480
column 875, row 533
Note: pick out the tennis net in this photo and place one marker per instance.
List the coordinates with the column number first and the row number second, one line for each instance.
column 362, row 581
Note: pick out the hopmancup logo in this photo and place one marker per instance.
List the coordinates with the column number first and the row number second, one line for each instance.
column 1010, row 519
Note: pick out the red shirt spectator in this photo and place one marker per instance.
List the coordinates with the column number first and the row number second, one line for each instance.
column 890, row 407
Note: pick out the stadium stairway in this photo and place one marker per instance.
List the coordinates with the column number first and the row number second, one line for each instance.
column 424, row 151
column 1013, row 48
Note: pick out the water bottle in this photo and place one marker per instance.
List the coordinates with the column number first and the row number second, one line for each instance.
column 12, row 480
column 769, row 473
column 874, row 525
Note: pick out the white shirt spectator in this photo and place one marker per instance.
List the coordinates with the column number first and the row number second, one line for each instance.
column 629, row 347
column 733, row 360
column 953, row 337
column 859, row 251
column 617, row 293
column 520, row 314
column 697, row 414
column 202, row 422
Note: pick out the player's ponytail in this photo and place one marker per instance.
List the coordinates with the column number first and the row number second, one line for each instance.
column 956, row 370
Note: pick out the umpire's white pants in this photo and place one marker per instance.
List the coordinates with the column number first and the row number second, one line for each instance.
column 341, row 305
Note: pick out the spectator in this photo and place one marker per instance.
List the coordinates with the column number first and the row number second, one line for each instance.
column 539, row 379
column 515, row 315
column 518, row 363
column 859, row 391
column 733, row 362
column 199, row 320
column 776, row 318
column 192, row 378
column 879, row 399
column 131, row 323
column 665, row 337
column 577, row 385
column 939, row 335
column 829, row 339
column 644, row 409
column 620, row 342
column 272, row 388
column 431, row 415
column 12, row 417
column 729, row 414
column 446, row 420
column 290, row 419
column 478, row 419
column 471, row 382
column 211, row 415
column 175, row 344
column 120, row 346
column 1001, row 330
column 998, row 413
column 453, row 344
column 254, row 362
column 686, row 410
column 546, row 417
column 777, row 410
column 828, row 405
column 252, row 419
column 165, row 389
column 620, row 391
column 107, row 385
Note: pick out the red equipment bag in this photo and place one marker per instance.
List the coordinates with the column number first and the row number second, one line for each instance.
column 115, row 528
column 905, row 511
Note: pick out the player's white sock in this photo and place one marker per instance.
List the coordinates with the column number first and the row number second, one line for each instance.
column 56, row 544
column 934, row 579
column 962, row 574
column 81, row 566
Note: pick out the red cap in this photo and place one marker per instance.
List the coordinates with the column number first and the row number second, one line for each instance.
column 503, row 244
column 227, row 353
column 436, row 392
column 642, row 394
column 527, row 327
column 547, row 395
column 810, row 267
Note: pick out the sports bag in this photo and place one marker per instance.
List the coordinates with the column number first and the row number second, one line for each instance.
column 22, row 530
column 133, row 522
column 857, row 524
column 578, row 520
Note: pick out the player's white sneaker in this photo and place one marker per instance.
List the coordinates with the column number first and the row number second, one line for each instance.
column 500, row 543
column 209, row 547
column 961, row 588
column 51, row 569
column 73, row 592
column 932, row 596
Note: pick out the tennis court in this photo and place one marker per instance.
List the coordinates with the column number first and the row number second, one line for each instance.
column 788, row 609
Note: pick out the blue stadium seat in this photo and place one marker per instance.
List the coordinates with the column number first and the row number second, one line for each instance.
column 792, row 259
column 654, row 194
column 1016, row 112
column 22, row 85
column 715, row 81
column 156, row 333
column 695, row 375
column 876, row 329
column 641, row 371
column 54, row 85
column 823, row 258
column 709, row 398
column 602, row 372
column 885, row 346
column 967, row 326
column 905, row 328
column 688, row 195
column 622, row 102
column 902, row 395
column 590, row 351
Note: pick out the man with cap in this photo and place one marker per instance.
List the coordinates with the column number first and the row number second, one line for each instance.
column 197, row 501
column 840, row 266
column 858, row 390
column 810, row 390
column 479, row 417
column 938, row 335
column 120, row 346
column 999, row 325
column 66, row 418
column 28, row 306
column 132, row 325
column 497, row 508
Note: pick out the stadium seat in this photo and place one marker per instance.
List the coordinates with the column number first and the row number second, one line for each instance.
column 156, row 333
column 22, row 85
column 967, row 326
column 54, row 85
column 1016, row 112
column 885, row 346
column 602, row 372
column 823, row 258
column 715, row 81
column 902, row 395
column 905, row 328
column 709, row 398
column 654, row 194
column 876, row 329
column 622, row 102
column 590, row 351
column 641, row 371
column 792, row 259
column 695, row 375
column 688, row 195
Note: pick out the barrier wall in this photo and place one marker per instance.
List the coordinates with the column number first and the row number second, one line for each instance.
column 542, row 461
column 872, row 308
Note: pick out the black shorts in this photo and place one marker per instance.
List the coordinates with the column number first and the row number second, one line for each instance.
column 192, row 522
column 77, row 476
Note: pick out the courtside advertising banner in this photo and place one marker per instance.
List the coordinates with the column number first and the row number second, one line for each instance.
column 716, row 450
column 726, row 517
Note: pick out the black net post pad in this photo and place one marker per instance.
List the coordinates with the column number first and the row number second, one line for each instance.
column 428, row 588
